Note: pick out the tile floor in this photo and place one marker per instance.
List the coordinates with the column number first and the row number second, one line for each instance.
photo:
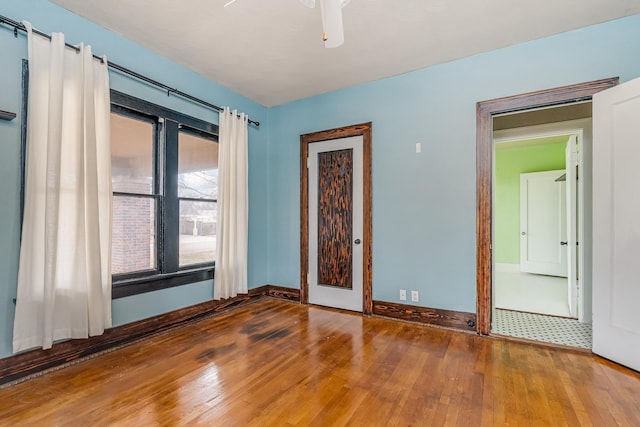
column 535, row 307
column 537, row 327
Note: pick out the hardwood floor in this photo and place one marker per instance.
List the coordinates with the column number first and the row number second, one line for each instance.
column 276, row 363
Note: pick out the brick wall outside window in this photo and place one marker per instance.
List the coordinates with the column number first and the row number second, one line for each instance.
column 133, row 229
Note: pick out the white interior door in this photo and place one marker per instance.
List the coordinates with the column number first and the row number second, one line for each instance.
column 335, row 274
column 616, row 224
column 571, row 167
column 543, row 223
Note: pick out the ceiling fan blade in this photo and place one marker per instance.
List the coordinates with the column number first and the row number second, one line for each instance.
column 333, row 35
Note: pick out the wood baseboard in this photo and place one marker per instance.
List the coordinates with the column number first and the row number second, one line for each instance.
column 31, row 362
column 281, row 292
column 432, row 316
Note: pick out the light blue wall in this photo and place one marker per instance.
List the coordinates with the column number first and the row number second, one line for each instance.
column 424, row 220
column 48, row 18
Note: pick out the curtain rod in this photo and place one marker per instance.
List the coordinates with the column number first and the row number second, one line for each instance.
column 18, row 26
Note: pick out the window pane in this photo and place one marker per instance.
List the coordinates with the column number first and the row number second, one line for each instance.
column 197, row 232
column 197, row 167
column 131, row 155
column 133, row 234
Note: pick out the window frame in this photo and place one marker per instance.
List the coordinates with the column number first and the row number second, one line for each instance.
column 168, row 124
column 155, row 195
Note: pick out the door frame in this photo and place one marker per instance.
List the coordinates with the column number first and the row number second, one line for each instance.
column 485, row 110
column 364, row 130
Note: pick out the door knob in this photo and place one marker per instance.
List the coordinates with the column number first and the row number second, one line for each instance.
column 357, row 241
column 563, row 243
column 523, row 233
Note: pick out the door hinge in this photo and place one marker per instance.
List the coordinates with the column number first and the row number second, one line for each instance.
column 308, row 161
column 308, row 279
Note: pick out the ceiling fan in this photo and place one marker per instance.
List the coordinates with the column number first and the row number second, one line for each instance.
column 331, row 11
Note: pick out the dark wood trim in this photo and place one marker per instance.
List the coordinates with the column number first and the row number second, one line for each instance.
column 431, row 316
column 367, row 222
column 485, row 111
column 363, row 129
column 281, row 292
column 304, row 221
column 21, row 365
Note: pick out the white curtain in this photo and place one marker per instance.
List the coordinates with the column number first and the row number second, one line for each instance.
column 233, row 204
column 64, row 279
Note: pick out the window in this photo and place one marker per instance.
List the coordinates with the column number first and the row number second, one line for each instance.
column 135, row 194
column 164, row 183
column 197, row 192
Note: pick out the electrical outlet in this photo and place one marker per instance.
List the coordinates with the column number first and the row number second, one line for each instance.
column 414, row 296
column 403, row 295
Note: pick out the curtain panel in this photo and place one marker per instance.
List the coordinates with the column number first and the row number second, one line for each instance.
column 233, row 206
column 64, row 278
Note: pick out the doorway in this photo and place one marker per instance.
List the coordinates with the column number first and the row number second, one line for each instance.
column 335, row 218
column 538, row 289
column 487, row 111
column 538, row 212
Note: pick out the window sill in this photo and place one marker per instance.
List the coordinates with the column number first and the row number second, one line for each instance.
column 140, row 285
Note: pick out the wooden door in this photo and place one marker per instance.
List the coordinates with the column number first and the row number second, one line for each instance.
column 571, row 182
column 616, row 223
column 335, row 223
column 543, row 224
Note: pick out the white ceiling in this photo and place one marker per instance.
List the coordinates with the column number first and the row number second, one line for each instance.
column 271, row 50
